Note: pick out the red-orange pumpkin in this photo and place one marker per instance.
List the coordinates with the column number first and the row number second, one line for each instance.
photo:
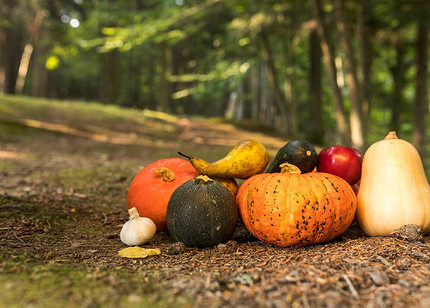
column 151, row 188
column 293, row 209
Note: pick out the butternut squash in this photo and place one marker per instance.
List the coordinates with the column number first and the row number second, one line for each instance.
column 394, row 190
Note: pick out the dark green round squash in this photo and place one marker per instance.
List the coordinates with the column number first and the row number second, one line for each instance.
column 201, row 213
column 296, row 152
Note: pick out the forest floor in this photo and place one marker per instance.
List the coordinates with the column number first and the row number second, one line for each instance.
column 65, row 168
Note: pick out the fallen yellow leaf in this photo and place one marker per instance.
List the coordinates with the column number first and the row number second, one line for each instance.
column 138, row 252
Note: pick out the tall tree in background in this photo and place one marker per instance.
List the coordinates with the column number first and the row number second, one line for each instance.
column 109, row 59
column 365, row 60
column 12, row 32
column 399, row 80
column 421, row 105
column 329, row 60
column 34, row 24
column 5, row 12
column 351, row 74
column 109, row 76
column 315, row 89
column 274, row 82
column 165, row 88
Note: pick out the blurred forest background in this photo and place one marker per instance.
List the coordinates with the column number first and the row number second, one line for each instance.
column 323, row 70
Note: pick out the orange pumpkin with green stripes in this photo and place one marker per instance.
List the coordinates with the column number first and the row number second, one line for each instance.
column 293, row 209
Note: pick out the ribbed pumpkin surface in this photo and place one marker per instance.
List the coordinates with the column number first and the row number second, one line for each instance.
column 149, row 193
column 289, row 209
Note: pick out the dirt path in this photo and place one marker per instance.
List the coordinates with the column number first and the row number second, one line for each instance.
column 62, row 205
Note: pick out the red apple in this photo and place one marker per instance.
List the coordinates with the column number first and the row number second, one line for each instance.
column 342, row 161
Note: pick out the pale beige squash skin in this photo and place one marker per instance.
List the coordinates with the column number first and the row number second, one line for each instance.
column 394, row 190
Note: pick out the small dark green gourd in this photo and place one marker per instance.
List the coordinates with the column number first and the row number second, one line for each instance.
column 201, row 213
column 296, row 152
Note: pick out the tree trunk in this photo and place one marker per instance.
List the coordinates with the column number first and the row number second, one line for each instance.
column 316, row 132
column 151, row 102
column 399, row 84
column 351, row 75
column 5, row 10
column 166, row 59
column 109, row 77
column 8, row 44
column 290, row 98
column 24, row 63
column 288, row 46
column 255, row 92
column 329, row 60
column 271, row 75
column 420, row 106
column 12, row 32
column 365, row 73
column 235, row 104
column 109, row 62
column 39, row 73
column 265, row 115
column 134, row 63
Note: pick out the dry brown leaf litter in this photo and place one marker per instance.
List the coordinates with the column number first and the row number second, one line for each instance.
column 48, row 222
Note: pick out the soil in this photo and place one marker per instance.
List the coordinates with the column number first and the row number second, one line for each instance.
column 63, row 203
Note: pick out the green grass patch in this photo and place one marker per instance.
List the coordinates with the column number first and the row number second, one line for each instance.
column 12, row 131
column 82, row 115
column 47, row 109
column 77, row 177
column 10, row 165
column 88, row 178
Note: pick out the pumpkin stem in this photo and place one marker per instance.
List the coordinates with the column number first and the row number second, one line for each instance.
column 133, row 213
column 391, row 135
column 167, row 174
column 289, row 168
column 186, row 156
column 203, row 179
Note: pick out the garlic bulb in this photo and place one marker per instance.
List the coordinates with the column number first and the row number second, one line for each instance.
column 138, row 230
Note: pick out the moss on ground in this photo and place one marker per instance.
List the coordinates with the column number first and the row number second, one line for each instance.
column 65, row 285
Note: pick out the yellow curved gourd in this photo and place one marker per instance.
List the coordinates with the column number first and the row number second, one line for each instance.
column 394, row 190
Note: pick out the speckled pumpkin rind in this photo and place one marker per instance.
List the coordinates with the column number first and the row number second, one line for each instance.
column 296, row 209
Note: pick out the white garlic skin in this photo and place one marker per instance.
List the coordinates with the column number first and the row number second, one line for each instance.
column 138, row 230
